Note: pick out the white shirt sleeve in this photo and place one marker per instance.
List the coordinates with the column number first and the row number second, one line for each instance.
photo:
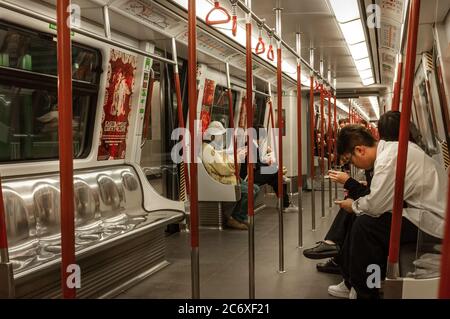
column 381, row 197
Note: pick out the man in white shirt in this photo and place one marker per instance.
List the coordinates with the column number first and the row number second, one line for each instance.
column 424, row 196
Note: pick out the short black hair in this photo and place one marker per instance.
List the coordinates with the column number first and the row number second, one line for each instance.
column 343, row 121
column 353, row 135
column 389, row 127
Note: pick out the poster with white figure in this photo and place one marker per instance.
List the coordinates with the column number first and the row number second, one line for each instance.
column 117, row 106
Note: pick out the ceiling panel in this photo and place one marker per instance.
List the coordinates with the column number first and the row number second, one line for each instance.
column 315, row 20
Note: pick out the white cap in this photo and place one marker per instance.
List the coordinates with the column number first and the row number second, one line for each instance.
column 214, row 128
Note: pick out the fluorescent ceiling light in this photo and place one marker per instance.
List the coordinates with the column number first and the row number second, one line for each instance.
column 366, row 74
column 353, row 32
column 375, row 106
column 339, row 104
column 363, row 64
column 359, row 51
column 345, row 10
column 368, row 81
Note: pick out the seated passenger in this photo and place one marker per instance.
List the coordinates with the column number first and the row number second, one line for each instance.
column 388, row 127
column 220, row 166
column 265, row 158
column 367, row 240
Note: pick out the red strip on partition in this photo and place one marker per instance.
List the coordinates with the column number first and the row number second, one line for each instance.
column 299, row 126
column 249, row 101
column 230, row 107
column 192, row 96
column 312, row 126
column 271, row 117
column 182, row 125
column 444, row 284
column 65, row 144
column 396, row 225
column 3, row 233
column 280, row 123
column 148, row 106
column 397, row 88
column 322, row 131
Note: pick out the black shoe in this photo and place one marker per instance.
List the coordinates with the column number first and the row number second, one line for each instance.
column 322, row 250
column 329, row 267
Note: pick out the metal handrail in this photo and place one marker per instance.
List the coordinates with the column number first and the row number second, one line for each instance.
column 89, row 34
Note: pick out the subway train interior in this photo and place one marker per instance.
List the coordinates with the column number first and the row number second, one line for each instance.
column 224, row 149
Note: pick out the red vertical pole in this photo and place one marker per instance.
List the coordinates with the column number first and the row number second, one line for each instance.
column 65, row 144
column 394, row 244
column 312, row 148
column 280, row 124
column 230, row 109
column 251, row 158
column 444, row 284
column 398, row 86
column 329, row 130
column 192, row 96
column 299, row 126
column 322, row 145
column 335, row 131
column 249, row 105
column 299, row 153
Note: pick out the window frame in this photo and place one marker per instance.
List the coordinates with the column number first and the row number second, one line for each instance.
column 40, row 81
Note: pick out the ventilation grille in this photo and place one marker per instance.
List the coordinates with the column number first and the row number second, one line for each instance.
column 427, row 60
column 445, row 155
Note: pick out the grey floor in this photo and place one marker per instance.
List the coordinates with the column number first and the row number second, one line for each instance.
column 224, row 260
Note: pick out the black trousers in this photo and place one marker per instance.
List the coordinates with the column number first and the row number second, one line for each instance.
column 272, row 180
column 340, row 227
column 367, row 243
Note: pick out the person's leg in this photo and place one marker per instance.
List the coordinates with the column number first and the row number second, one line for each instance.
column 241, row 212
column 339, row 228
column 369, row 246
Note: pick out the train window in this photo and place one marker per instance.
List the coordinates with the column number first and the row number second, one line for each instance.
column 29, row 101
column 32, row 51
column 29, row 123
column 259, row 110
column 220, row 108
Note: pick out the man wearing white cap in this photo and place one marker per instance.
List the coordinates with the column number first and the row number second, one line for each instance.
column 220, row 166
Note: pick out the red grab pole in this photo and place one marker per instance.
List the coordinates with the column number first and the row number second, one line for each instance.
column 230, row 108
column 322, row 146
column 280, row 124
column 251, row 158
column 65, row 144
column 299, row 153
column 249, row 106
column 396, row 225
column 398, row 86
column 444, row 284
column 192, row 96
column 312, row 142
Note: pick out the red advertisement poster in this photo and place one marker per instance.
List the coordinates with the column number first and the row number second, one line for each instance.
column 117, row 106
column 208, row 100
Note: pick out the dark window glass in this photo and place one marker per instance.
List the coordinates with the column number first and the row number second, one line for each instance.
column 28, row 96
column 35, row 52
column 220, row 110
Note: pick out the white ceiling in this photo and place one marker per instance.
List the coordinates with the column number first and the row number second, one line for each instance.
column 315, row 20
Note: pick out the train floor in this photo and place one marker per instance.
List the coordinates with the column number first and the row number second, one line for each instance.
column 224, row 260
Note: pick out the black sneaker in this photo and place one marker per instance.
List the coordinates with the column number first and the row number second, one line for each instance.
column 322, row 250
column 329, row 267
